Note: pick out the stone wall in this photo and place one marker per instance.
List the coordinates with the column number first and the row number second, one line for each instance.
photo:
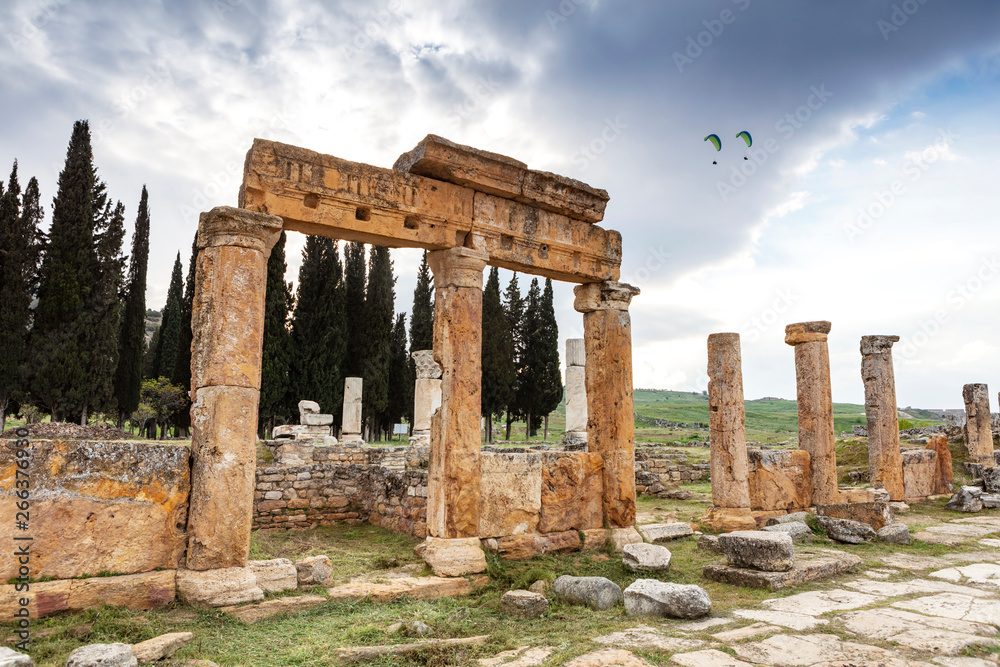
column 780, row 479
column 658, row 469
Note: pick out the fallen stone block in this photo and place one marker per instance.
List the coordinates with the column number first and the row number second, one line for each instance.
column 275, row 575
column 808, row 567
column 11, row 658
column 990, row 500
column 454, row 557
column 598, row 593
column 362, row 653
column 968, row 499
column 709, row 543
column 651, row 597
column 847, row 531
column 314, row 571
column 798, row 531
column 219, row 588
column 253, row 613
column 623, row 536
column 418, row 588
column 876, row 514
column 659, row 532
column 787, row 518
column 758, row 550
column 529, row 545
column 102, row 655
column 131, row 591
column 161, row 647
column 524, row 604
column 991, row 479
column 894, row 533
column 646, row 557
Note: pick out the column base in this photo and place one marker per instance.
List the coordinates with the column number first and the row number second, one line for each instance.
column 574, row 438
column 453, row 557
column 351, row 439
column 420, row 438
column 623, row 536
column 728, row 519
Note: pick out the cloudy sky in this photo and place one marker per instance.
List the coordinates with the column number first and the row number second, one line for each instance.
column 868, row 198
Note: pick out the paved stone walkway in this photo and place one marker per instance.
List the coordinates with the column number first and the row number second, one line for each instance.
column 931, row 611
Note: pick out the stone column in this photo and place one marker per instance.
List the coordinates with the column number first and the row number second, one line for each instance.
column 607, row 335
column 426, row 395
column 815, row 401
column 228, row 327
column 730, row 468
column 350, row 430
column 576, row 392
column 884, row 458
column 978, row 427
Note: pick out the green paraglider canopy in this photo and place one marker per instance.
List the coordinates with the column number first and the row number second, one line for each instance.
column 745, row 136
column 714, row 138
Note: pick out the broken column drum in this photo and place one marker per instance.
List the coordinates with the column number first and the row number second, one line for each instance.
column 978, row 429
column 426, row 395
column 576, row 392
column 885, row 460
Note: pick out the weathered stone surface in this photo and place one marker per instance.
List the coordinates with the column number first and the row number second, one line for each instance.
column 576, row 390
column 606, row 657
column 309, row 419
column 102, row 655
column 650, row 597
column 875, row 514
column 779, row 479
column 426, row 392
column 815, row 603
column 314, row 571
column 808, row 567
column 524, row 604
column 105, row 506
column 991, row 479
column 624, row 536
column 708, row 658
column 661, row 532
column 728, row 519
column 219, row 588
column 709, row 543
column 798, row 531
column 417, row 588
column 607, row 332
column 454, row 557
column 572, row 490
column 884, row 458
column 945, row 473
column 275, row 575
column 594, row 539
column 254, row 613
column 646, row 637
column 894, row 533
column 147, row 590
column 224, row 421
column 978, row 429
column 966, row 500
column 818, row 650
column 351, row 420
column 454, row 496
column 308, row 408
column 739, row 634
column 523, row 656
column 730, row 467
column 161, row 647
column 758, row 550
column 529, row 545
column 511, row 492
column 597, row 593
column 783, row 618
column 646, row 557
column 11, row 658
column 855, row 495
column 368, row 653
column 815, row 406
column 920, row 474
column 845, row 530
column 990, row 500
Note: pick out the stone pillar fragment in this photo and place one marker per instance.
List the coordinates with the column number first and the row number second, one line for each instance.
column 607, row 334
column 426, row 395
column 978, row 429
column 730, row 468
column 884, row 457
column 227, row 326
column 453, row 481
column 351, row 424
column 815, row 403
column 576, row 392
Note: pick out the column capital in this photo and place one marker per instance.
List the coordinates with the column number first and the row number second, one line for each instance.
column 427, row 368
column 807, row 332
column 458, row 267
column 228, row 226
column 608, row 295
column 877, row 344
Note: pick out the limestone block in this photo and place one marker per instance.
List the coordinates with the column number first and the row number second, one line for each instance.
column 438, row 158
column 526, row 546
column 623, row 536
column 454, row 557
column 884, row 458
column 224, row 421
column 846, row 530
column 254, row 613
column 779, row 479
column 104, row 506
column 11, row 658
column 275, row 575
column 594, row 539
column 727, row 417
column 876, row 514
column 798, row 531
column 308, row 408
column 219, row 588
column 598, row 593
column 967, row 499
column 103, row 655
column 312, row 419
column 295, row 454
column 524, row 604
column 894, row 533
column 758, row 550
column 650, row 597
column 571, row 491
column 659, row 532
column 810, row 567
column 352, row 406
column 945, row 474
column 978, row 429
column 426, row 367
column 426, row 399
column 576, row 399
column 147, row 590
column 728, row 519
column 646, row 557
column 576, row 352
column 511, row 493
column 416, row 588
column 161, row 647
column 787, row 518
column 920, row 473
column 314, row 571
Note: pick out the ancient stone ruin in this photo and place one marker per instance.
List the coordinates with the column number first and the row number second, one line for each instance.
column 312, row 424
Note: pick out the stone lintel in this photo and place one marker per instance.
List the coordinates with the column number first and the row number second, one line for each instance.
column 607, row 295
column 228, row 226
column 877, row 344
column 458, row 267
column 807, row 332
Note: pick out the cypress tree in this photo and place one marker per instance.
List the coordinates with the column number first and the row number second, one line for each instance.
column 354, row 308
column 513, row 306
column 422, row 313
column 546, row 342
column 132, row 336
column 165, row 357
column 182, row 364
column 378, row 322
column 149, row 353
column 497, row 355
column 277, row 348
column 60, row 346
column 528, row 368
column 400, row 377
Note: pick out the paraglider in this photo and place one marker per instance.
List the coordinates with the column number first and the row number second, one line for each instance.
column 714, row 138
column 745, row 136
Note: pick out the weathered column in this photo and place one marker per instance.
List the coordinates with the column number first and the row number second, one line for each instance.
column 227, row 325
column 426, row 395
column 978, row 426
column 815, row 402
column 607, row 335
column 576, row 392
column 350, row 429
column 728, row 441
column 884, row 458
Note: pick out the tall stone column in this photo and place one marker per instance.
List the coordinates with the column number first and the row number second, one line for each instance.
column 607, row 335
column 815, row 401
column 885, row 461
column 978, row 428
column 228, row 327
column 350, row 427
column 730, row 468
column 426, row 395
column 576, row 392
